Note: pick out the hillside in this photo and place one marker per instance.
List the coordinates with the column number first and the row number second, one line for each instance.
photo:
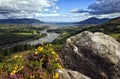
column 46, row 63
column 94, row 20
column 113, row 22
column 20, row 21
column 111, row 28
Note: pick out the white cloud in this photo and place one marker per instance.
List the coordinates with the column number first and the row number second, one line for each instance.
column 66, row 17
column 46, row 10
column 53, row 10
column 104, row 7
column 113, row 15
column 24, row 7
column 100, row 7
column 49, row 15
column 77, row 10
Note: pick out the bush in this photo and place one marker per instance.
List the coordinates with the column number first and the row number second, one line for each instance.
column 42, row 64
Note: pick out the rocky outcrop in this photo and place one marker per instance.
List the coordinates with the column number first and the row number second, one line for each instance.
column 69, row 74
column 94, row 54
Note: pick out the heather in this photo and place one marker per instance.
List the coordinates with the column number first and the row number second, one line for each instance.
column 42, row 63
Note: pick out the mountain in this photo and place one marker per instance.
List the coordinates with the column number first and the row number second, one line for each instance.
column 20, row 21
column 94, row 20
column 113, row 22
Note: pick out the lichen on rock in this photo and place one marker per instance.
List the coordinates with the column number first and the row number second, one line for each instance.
column 94, row 54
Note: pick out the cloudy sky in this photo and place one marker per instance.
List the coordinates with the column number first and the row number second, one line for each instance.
column 59, row 10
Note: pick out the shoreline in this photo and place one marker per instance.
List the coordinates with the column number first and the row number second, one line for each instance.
column 33, row 41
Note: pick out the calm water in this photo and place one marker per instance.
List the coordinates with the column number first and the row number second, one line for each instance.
column 49, row 38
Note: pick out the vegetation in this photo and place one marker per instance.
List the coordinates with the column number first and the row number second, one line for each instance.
column 65, row 33
column 43, row 35
column 11, row 33
column 14, row 49
column 43, row 63
column 69, row 29
column 20, row 27
column 8, row 38
column 113, row 31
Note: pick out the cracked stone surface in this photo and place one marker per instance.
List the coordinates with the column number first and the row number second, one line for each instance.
column 94, row 54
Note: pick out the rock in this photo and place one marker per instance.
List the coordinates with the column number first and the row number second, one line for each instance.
column 69, row 74
column 94, row 54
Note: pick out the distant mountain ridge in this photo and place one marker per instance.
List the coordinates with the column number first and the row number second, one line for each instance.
column 94, row 20
column 113, row 22
column 20, row 21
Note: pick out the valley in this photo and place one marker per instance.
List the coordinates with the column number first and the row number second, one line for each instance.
column 18, row 40
column 12, row 33
column 59, row 39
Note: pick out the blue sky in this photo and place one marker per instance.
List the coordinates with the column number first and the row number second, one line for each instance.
column 59, row 10
column 66, row 5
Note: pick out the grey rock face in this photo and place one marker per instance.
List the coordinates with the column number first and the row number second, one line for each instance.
column 94, row 54
column 69, row 74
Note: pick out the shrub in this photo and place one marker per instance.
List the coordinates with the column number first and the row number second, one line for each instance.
column 42, row 64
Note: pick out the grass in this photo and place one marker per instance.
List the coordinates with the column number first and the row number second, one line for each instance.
column 43, row 35
column 12, row 33
column 2, row 33
column 8, row 38
column 23, row 33
column 10, row 57
column 19, row 33
column 116, row 35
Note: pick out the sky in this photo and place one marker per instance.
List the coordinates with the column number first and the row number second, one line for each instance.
column 59, row 10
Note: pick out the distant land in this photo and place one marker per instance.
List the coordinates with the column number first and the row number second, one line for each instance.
column 94, row 20
column 113, row 22
column 20, row 21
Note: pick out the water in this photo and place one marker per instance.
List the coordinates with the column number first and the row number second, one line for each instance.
column 49, row 38
column 59, row 25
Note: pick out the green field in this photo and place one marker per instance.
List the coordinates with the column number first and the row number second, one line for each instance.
column 8, row 38
column 12, row 33
column 23, row 33
column 10, row 57
column 116, row 35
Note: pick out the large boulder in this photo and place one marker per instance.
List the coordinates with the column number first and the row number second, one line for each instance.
column 94, row 54
column 69, row 74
